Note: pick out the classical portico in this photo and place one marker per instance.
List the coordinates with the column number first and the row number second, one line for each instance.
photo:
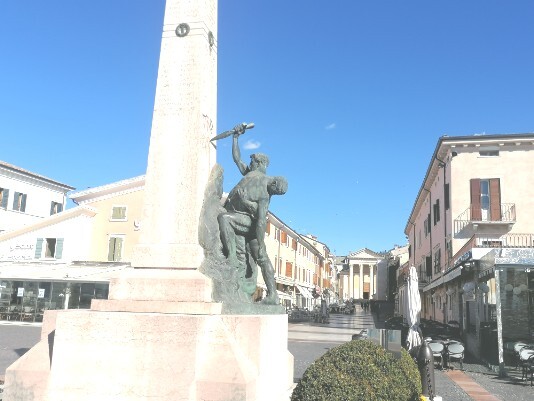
column 359, row 277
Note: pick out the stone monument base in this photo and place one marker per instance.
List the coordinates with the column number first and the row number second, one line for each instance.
column 112, row 353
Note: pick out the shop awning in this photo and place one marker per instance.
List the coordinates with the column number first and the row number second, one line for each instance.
column 305, row 292
column 66, row 272
column 283, row 295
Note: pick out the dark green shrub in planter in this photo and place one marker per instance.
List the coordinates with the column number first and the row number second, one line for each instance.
column 360, row 370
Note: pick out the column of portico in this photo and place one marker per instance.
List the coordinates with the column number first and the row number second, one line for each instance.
column 371, row 281
column 361, row 281
column 351, row 281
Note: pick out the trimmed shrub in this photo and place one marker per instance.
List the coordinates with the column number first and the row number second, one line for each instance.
column 360, row 370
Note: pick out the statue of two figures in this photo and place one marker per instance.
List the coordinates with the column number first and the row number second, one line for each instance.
column 232, row 233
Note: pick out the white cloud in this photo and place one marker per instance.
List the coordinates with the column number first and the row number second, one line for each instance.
column 251, row 145
column 330, row 126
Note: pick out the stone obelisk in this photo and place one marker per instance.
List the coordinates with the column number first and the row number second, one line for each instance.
column 180, row 156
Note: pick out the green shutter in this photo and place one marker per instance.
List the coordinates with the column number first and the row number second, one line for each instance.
column 59, row 207
column 5, row 196
column 111, row 249
column 23, row 203
column 16, row 201
column 52, row 208
column 59, row 248
column 118, row 250
column 39, row 248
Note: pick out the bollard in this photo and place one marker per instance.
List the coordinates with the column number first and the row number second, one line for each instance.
column 425, row 363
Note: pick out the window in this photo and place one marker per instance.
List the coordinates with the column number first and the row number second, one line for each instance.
column 19, row 202
column 118, row 213
column 50, row 247
column 4, row 196
column 289, row 269
column 449, row 249
column 485, row 199
column 427, row 225
column 55, row 207
column 115, row 248
column 437, row 261
column 447, row 197
column 436, row 212
column 419, row 240
column 428, row 266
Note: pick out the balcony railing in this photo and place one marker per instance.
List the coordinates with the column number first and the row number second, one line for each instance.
column 467, row 217
column 512, row 240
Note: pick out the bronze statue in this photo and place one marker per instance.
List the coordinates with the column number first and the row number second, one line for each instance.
column 242, row 224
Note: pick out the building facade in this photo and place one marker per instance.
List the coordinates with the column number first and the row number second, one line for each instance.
column 477, row 196
column 27, row 197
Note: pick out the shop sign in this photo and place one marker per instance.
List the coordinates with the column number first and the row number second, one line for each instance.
column 41, row 293
column 20, row 252
column 20, row 292
column 464, row 258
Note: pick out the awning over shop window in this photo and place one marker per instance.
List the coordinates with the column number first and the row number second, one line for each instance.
column 283, row 295
column 305, row 292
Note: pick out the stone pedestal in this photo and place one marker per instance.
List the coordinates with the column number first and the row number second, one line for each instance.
column 147, row 347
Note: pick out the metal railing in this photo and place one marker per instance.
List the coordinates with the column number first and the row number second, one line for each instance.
column 466, row 217
column 511, row 240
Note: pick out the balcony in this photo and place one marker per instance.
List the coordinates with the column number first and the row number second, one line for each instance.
column 497, row 241
column 475, row 217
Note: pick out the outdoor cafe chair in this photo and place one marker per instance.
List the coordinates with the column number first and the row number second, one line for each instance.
column 518, row 346
column 525, row 361
column 437, row 349
column 529, row 369
column 455, row 351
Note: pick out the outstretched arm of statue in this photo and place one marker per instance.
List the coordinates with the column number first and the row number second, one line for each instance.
column 236, row 153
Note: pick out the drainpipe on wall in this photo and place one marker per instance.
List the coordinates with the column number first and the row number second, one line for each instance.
column 444, row 165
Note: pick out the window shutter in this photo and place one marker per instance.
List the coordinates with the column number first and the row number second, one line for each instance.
column 118, row 250
column 268, row 228
column 476, row 213
column 284, row 237
column 294, row 245
column 5, row 196
column 289, row 269
column 16, row 201
column 59, row 248
column 23, row 203
column 495, row 199
column 52, row 207
column 447, row 195
column 59, row 207
column 39, row 248
column 111, row 249
column 428, row 265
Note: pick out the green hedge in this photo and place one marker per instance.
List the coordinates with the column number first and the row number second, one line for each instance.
column 360, row 370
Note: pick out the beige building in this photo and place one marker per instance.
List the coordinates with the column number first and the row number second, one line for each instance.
column 477, row 195
column 303, row 268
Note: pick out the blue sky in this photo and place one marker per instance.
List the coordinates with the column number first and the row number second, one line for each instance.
column 349, row 97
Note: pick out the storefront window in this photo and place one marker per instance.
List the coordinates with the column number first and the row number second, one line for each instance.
column 517, row 312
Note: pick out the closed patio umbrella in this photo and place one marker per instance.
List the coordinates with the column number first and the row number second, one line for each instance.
column 412, row 309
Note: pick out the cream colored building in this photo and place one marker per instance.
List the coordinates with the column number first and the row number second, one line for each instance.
column 302, row 267
column 477, row 195
column 27, row 197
